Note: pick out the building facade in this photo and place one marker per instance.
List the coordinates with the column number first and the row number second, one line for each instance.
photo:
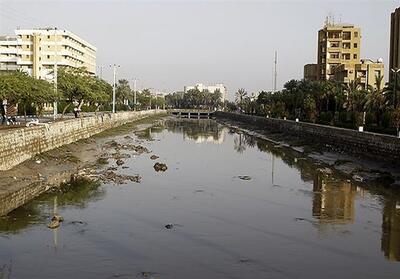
column 364, row 73
column 38, row 51
column 311, row 72
column 210, row 88
column 394, row 56
column 338, row 44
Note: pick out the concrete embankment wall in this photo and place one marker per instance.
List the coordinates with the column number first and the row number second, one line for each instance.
column 353, row 141
column 19, row 145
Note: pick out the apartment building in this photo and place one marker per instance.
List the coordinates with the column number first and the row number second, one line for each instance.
column 210, row 88
column 364, row 73
column 38, row 51
column 394, row 56
column 338, row 44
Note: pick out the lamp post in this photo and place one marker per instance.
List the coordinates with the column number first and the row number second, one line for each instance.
column 114, row 77
column 55, row 82
column 395, row 72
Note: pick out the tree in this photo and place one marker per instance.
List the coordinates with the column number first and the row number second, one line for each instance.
column 77, row 86
column 19, row 88
column 123, row 91
column 396, row 119
column 74, row 86
column 239, row 96
column 375, row 101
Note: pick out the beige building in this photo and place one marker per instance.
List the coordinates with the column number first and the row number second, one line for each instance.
column 337, row 44
column 394, row 56
column 363, row 73
column 38, row 51
column 311, row 72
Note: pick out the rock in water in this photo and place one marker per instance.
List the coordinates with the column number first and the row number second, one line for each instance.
column 154, row 157
column 120, row 162
column 55, row 222
column 58, row 218
column 160, row 167
column 244, row 177
column 169, row 226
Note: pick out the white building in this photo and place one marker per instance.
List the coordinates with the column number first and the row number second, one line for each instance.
column 210, row 88
column 37, row 51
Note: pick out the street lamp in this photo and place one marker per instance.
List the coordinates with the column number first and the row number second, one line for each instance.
column 395, row 71
column 114, row 74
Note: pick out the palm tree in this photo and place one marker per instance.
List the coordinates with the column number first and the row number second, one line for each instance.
column 355, row 100
column 375, row 100
column 239, row 96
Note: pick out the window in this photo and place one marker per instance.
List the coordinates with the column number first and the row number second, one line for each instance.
column 40, row 48
column 48, row 56
column 356, row 34
column 355, row 56
column 48, row 46
column 27, row 56
column 346, row 36
column 40, row 58
column 355, row 45
column 27, row 36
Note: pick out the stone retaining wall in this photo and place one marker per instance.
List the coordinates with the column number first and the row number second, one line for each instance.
column 18, row 145
column 350, row 140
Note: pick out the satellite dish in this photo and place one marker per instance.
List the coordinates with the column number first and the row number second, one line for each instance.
column 380, row 60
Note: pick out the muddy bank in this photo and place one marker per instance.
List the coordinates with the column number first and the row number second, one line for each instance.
column 84, row 158
column 329, row 158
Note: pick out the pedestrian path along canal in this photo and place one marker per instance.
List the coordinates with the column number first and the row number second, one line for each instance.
column 228, row 206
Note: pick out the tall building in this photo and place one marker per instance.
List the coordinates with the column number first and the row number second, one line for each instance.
column 311, row 72
column 37, row 51
column 394, row 56
column 337, row 44
column 210, row 88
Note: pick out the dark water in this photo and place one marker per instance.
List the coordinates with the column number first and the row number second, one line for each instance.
column 288, row 221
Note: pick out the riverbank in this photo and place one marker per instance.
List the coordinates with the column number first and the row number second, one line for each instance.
column 57, row 166
column 354, row 166
column 365, row 144
column 19, row 145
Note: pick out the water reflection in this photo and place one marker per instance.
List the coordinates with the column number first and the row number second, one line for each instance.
column 199, row 130
column 333, row 201
column 78, row 193
column 391, row 230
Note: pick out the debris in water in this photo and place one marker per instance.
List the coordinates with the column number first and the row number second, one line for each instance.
column 244, row 177
column 120, row 162
column 160, row 167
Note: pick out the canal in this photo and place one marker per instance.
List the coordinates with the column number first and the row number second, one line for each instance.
column 236, row 206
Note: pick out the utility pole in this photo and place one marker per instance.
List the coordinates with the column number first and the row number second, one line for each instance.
column 114, row 82
column 55, row 109
column 275, row 69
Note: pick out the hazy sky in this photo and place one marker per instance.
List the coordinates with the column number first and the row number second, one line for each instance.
column 169, row 44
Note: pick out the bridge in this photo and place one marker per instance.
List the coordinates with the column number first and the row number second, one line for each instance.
column 187, row 113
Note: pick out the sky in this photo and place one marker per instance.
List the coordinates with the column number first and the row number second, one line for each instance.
column 169, row 44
